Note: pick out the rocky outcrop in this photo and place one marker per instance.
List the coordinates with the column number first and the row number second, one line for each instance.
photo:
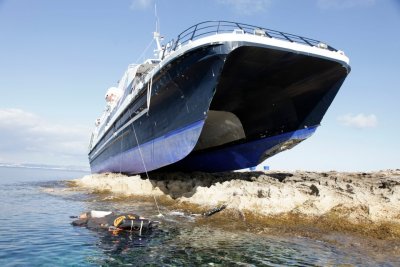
column 356, row 196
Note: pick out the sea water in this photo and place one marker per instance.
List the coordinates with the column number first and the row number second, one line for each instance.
column 35, row 230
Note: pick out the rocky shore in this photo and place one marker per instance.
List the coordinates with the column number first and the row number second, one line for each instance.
column 364, row 203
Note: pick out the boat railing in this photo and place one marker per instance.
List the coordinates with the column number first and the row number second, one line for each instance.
column 207, row 28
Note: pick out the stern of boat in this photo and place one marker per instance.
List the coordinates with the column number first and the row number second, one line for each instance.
column 266, row 101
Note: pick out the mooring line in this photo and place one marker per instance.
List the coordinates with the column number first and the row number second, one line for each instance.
column 145, row 169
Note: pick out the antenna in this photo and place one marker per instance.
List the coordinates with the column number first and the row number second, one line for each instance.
column 156, row 16
column 157, row 35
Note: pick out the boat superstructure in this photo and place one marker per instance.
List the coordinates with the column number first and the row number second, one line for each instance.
column 221, row 96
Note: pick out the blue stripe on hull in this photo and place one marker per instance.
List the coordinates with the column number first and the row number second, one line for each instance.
column 157, row 153
column 238, row 156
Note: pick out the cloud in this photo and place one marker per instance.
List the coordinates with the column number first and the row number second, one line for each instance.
column 359, row 121
column 342, row 4
column 246, row 7
column 24, row 134
column 141, row 4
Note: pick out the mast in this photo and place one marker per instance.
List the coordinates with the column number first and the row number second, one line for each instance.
column 157, row 36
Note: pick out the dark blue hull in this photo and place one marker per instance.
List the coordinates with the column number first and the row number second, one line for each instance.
column 240, row 156
column 218, row 109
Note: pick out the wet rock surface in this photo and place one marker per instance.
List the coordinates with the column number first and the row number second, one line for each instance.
column 367, row 204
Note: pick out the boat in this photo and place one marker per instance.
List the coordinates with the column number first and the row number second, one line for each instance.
column 221, row 96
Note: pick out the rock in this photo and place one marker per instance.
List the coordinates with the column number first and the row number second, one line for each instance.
column 268, row 193
column 314, row 190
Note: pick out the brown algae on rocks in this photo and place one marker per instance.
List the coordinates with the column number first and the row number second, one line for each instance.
column 310, row 204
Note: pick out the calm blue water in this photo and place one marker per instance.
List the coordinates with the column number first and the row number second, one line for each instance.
column 35, row 230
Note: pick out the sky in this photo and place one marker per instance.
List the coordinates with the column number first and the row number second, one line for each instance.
column 57, row 59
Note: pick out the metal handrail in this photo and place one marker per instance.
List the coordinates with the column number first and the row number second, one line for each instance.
column 207, row 28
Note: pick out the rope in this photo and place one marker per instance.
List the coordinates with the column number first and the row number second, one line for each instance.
column 122, row 144
column 145, row 169
column 145, row 50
